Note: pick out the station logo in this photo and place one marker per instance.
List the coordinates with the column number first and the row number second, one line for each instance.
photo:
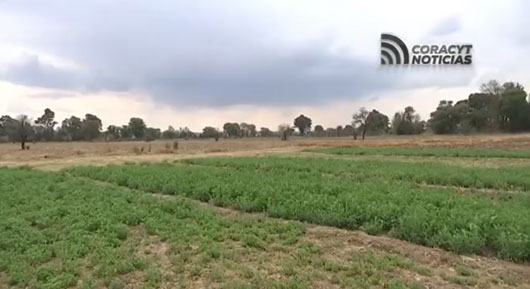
column 395, row 52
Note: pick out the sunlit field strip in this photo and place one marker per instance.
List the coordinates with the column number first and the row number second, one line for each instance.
column 434, row 152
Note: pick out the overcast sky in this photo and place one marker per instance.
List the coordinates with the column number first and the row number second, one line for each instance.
column 198, row 63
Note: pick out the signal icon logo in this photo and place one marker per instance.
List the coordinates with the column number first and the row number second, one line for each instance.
column 393, row 50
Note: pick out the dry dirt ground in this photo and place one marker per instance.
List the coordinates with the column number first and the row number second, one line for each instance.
column 433, row 268
column 59, row 155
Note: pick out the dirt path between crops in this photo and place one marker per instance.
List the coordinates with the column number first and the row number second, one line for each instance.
column 438, row 268
column 58, row 164
column 457, row 161
column 58, row 155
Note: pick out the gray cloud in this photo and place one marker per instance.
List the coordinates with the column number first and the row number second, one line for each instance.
column 31, row 71
column 204, row 53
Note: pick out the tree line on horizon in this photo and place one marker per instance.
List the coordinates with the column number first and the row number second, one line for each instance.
column 495, row 108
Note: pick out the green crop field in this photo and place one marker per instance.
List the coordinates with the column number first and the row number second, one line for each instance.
column 427, row 152
column 60, row 232
column 141, row 225
column 375, row 196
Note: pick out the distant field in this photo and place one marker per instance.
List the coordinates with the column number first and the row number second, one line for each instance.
column 103, row 152
column 268, row 214
column 428, row 152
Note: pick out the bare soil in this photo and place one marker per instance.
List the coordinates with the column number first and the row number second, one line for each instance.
column 53, row 155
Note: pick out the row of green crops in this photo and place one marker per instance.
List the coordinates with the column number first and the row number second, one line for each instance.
column 342, row 193
column 511, row 178
column 57, row 231
column 434, row 152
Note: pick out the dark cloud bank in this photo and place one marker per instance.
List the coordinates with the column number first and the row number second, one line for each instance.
column 198, row 54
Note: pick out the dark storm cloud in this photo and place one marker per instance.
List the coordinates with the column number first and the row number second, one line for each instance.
column 303, row 76
column 31, row 71
column 193, row 53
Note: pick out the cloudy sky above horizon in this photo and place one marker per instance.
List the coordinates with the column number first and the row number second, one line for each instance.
column 198, row 63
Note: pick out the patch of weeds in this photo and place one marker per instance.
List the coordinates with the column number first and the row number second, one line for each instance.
column 153, row 277
column 195, row 271
column 214, row 252
column 460, row 280
column 121, row 232
column 464, row 271
column 253, row 241
column 288, row 269
column 116, row 284
column 217, row 274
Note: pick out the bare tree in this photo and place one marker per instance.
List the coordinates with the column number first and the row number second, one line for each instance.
column 285, row 130
column 20, row 130
column 360, row 119
column 491, row 87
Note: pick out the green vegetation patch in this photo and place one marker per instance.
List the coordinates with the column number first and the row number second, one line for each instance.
column 60, row 231
column 426, row 152
column 373, row 196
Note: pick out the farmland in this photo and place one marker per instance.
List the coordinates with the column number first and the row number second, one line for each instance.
column 300, row 217
column 428, row 152
column 374, row 196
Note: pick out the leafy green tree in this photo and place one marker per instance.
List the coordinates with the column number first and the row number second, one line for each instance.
column 498, row 106
column 186, row 133
column 210, row 132
column 112, row 132
column 339, row 130
column 396, row 121
column 331, row 132
column 347, row 130
column 373, row 121
column 503, row 107
column 47, row 121
column 247, row 130
column 484, row 110
column 232, row 129
column 449, row 118
column 72, row 129
column 408, row 122
column 91, row 127
column 125, row 132
column 303, row 123
column 3, row 124
column 377, row 122
column 265, row 132
column 514, row 107
column 152, row 134
column 319, row 130
column 137, row 127
column 169, row 133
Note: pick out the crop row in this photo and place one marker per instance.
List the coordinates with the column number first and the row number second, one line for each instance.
column 434, row 152
column 300, row 189
column 511, row 178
